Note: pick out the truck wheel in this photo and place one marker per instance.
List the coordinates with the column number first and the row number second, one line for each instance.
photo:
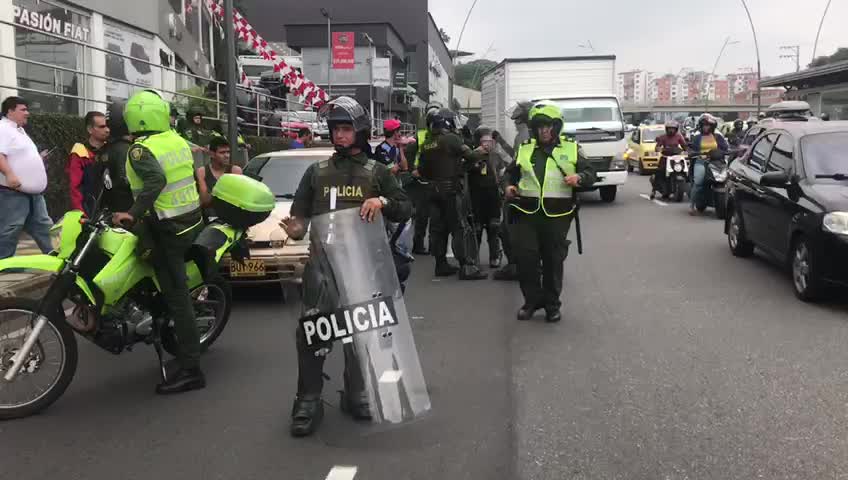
column 608, row 193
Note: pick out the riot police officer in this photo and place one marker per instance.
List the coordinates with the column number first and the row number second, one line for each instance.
column 445, row 160
column 418, row 187
column 348, row 179
column 160, row 171
column 543, row 179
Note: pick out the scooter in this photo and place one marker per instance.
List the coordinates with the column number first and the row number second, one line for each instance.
column 714, row 191
column 672, row 177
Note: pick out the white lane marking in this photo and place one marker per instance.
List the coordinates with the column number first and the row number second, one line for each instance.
column 390, row 376
column 662, row 204
column 417, row 317
column 646, row 197
column 341, row 472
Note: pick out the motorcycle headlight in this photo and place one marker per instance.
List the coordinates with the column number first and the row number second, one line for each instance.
column 719, row 175
column 678, row 167
column 836, row 222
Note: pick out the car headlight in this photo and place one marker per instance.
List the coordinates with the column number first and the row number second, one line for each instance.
column 618, row 164
column 836, row 222
column 678, row 167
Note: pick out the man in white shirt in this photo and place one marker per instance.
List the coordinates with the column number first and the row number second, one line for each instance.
column 23, row 180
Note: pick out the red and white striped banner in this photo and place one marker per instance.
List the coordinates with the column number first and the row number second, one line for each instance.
column 306, row 91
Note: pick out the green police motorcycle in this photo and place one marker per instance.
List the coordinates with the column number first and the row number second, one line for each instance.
column 105, row 292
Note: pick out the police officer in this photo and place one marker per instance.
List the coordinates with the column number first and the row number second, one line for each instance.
column 167, row 207
column 486, row 197
column 418, row 188
column 445, row 160
column 520, row 115
column 361, row 183
column 542, row 181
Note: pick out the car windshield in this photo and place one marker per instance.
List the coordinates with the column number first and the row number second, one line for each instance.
column 589, row 110
column 256, row 70
column 283, row 174
column 824, row 154
column 651, row 135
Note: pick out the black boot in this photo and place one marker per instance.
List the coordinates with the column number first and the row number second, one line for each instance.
column 356, row 405
column 471, row 272
column 445, row 269
column 508, row 273
column 526, row 312
column 419, row 249
column 552, row 315
column 184, row 380
column 307, row 413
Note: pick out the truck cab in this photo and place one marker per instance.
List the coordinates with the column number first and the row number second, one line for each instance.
column 596, row 123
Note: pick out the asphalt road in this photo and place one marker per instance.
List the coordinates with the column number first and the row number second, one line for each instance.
column 674, row 360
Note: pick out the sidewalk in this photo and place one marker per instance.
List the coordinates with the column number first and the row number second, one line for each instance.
column 26, row 283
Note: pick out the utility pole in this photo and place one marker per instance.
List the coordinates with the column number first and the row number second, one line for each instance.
column 326, row 15
column 230, row 63
column 796, row 54
column 372, row 51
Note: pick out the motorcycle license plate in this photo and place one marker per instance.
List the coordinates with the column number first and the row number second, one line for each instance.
column 250, row 268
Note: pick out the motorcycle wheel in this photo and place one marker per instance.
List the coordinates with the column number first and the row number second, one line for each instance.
column 678, row 192
column 720, row 207
column 212, row 302
column 55, row 348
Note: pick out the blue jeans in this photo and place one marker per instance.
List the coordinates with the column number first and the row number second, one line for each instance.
column 23, row 211
column 699, row 174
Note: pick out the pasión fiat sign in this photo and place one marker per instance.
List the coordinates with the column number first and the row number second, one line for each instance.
column 49, row 22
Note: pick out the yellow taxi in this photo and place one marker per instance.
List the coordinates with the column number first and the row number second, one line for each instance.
column 641, row 149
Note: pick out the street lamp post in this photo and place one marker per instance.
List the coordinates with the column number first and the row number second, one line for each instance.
column 230, row 63
column 371, row 78
column 326, row 15
column 818, row 33
column 462, row 30
column 710, row 80
column 759, row 71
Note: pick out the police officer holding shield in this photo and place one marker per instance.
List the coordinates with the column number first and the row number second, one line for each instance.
column 348, row 179
column 543, row 179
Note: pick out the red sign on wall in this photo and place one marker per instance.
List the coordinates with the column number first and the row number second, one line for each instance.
column 343, row 44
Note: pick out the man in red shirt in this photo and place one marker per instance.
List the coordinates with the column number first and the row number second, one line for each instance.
column 80, row 167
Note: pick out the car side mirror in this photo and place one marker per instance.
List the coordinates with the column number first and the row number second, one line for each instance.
column 775, row 179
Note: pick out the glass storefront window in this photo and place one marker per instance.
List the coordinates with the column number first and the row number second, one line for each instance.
column 65, row 25
column 835, row 104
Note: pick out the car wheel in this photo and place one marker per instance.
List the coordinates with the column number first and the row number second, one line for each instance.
column 738, row 241
column 608, row 193
column 806, row 278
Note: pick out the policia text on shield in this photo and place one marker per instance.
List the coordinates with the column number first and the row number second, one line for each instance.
column 347, row 180
column 542, row 180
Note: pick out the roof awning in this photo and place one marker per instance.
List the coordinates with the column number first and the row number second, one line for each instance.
column 809, row 75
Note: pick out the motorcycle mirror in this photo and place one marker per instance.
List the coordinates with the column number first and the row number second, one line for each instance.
column 107, row 180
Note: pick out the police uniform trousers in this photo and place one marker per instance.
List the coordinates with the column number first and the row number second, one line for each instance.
column 540, row 245
column 449, row 212
column 487, row 205
column 420, row 195
column 319, row 295
column 168, row 260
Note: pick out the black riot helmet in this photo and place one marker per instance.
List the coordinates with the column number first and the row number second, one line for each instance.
column 115, row 119
column 443, row 119
column 738, row 124
column 345, row 110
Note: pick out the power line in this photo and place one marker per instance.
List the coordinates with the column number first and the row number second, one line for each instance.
column 796, row 49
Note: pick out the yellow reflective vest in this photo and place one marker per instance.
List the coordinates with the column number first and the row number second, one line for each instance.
column 552, row 195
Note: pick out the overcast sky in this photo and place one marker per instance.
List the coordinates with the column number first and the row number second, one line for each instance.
column 656, row 35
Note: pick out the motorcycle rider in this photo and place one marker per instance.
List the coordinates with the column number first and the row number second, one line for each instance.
column 542, row 181
column 160, row 171
column 362, row 183
column 671, row 140
column 705, row 141
column 735, row 137
column 484, row 181
column 444, row 162
column 521, row 117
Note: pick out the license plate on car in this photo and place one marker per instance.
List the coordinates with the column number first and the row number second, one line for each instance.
column 250, row 268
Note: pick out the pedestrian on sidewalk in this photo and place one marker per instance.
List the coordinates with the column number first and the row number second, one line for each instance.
column 81, row 169
column 303, row 140
column 23, row 179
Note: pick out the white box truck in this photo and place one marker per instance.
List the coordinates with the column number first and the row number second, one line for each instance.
column 585, row 89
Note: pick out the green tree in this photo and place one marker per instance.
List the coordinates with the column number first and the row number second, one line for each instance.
column 470, row 75
column 840, row 56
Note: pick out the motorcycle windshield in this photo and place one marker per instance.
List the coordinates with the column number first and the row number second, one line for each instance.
column 363, row 311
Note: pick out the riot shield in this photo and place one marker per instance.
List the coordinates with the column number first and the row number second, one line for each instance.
column 361, row 309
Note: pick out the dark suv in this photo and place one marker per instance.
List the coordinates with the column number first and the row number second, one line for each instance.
column 788, row 196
